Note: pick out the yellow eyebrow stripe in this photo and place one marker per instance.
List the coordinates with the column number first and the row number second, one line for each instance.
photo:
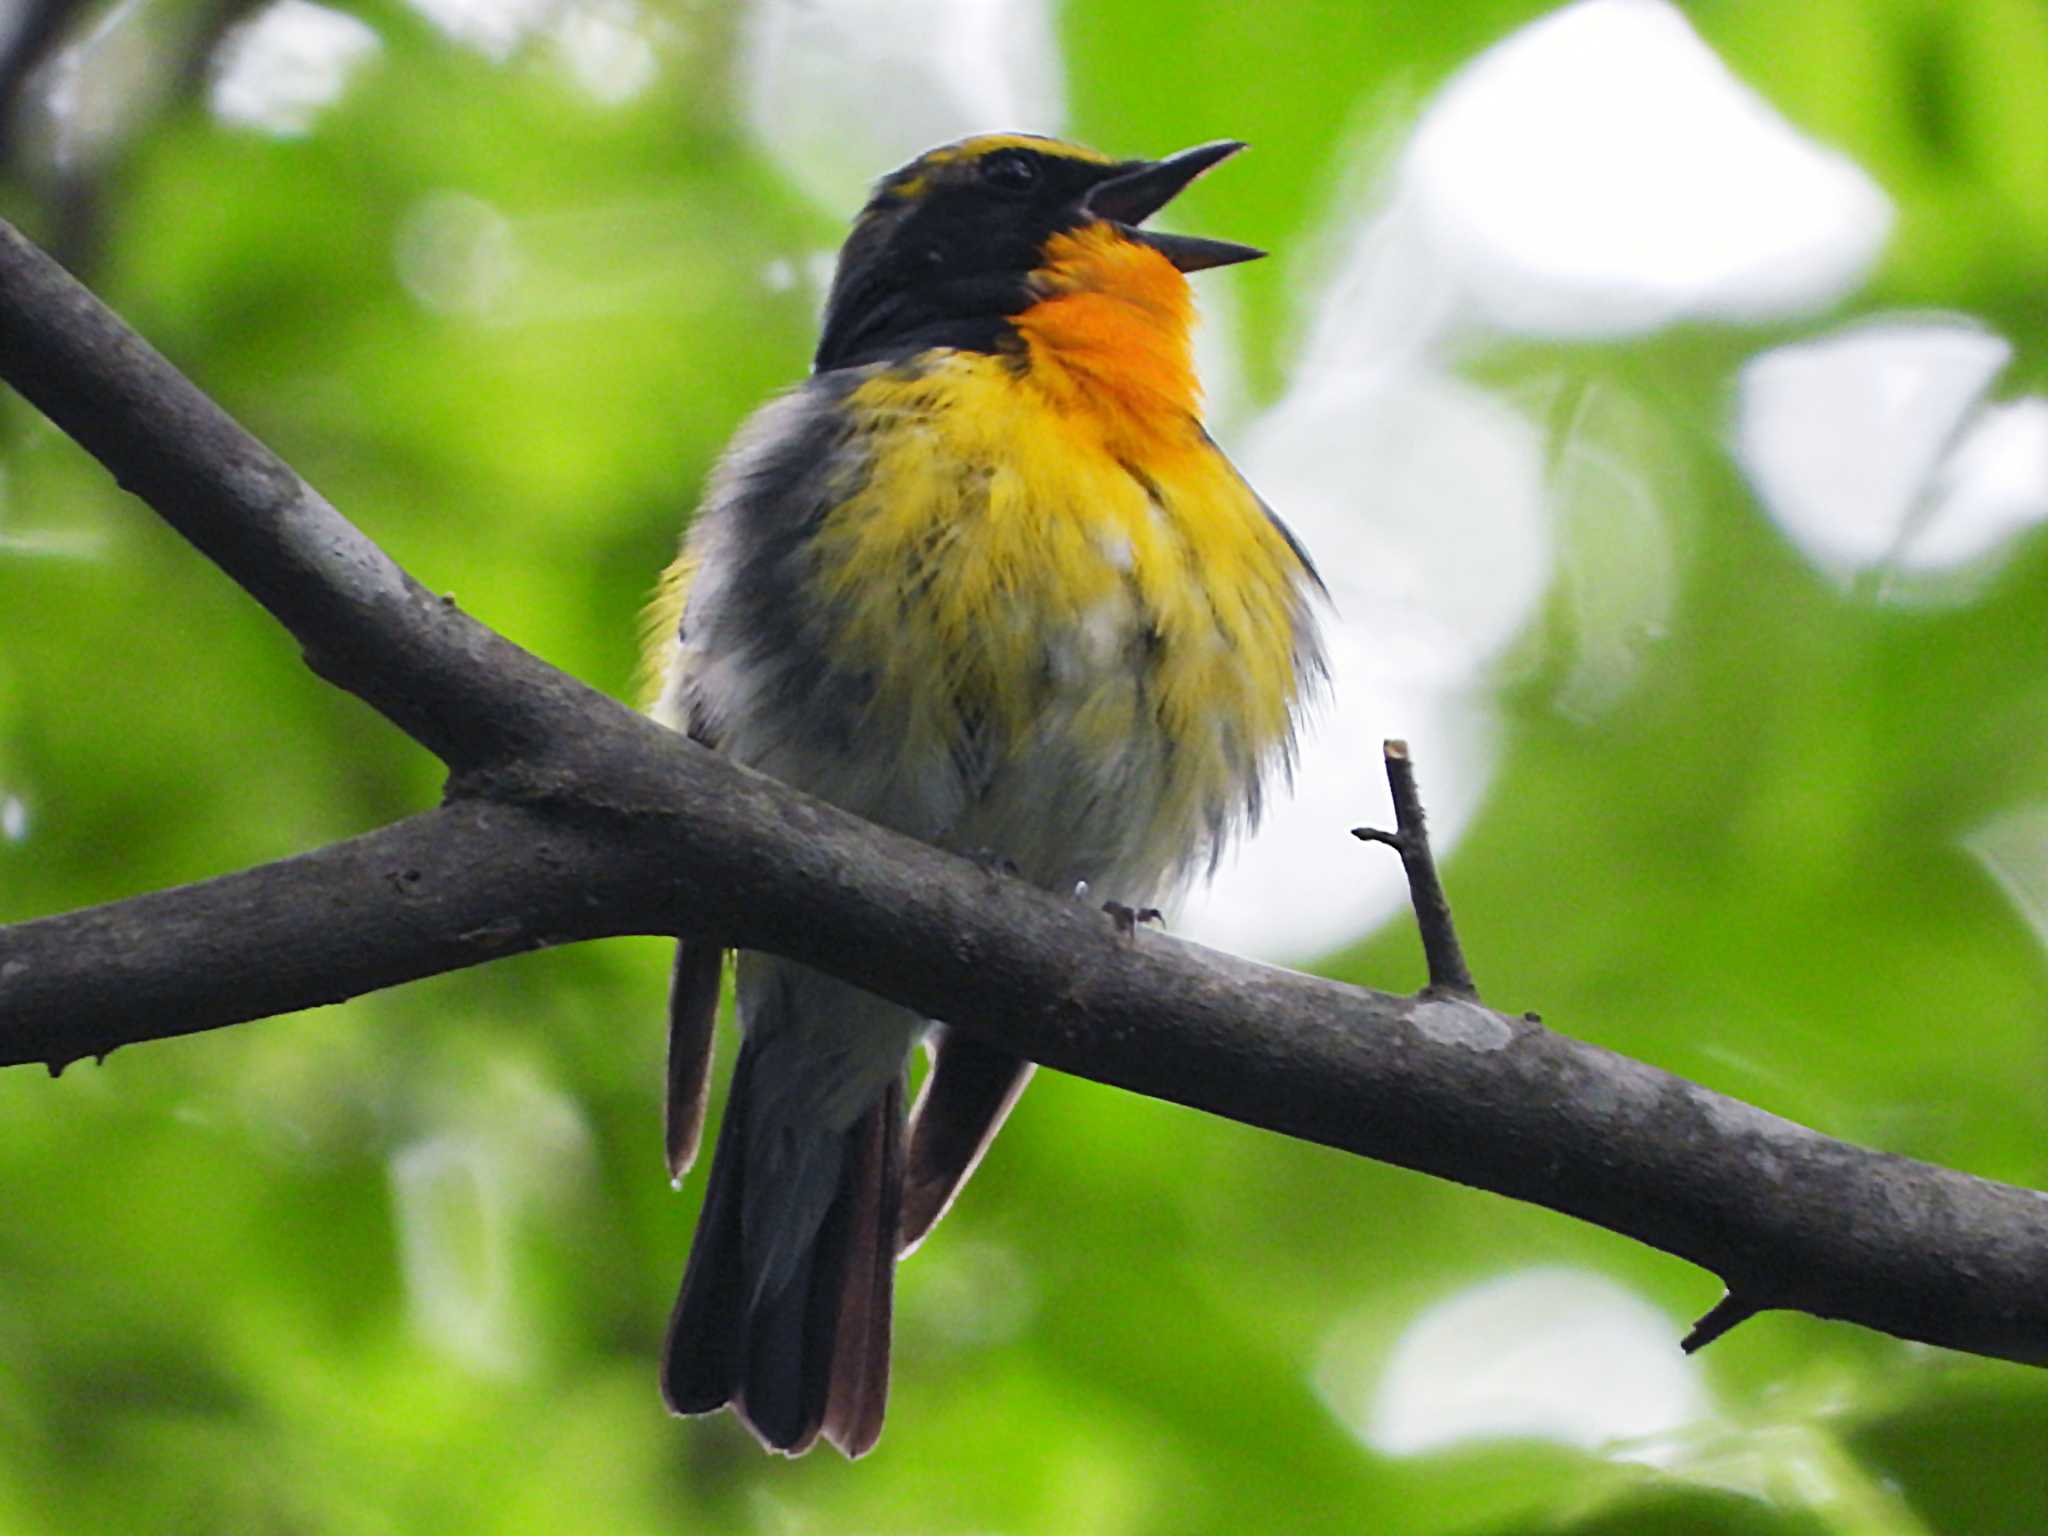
column 914, row 180
column 988, row 143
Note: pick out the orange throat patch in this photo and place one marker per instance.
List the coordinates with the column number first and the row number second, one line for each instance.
column 1113, row 334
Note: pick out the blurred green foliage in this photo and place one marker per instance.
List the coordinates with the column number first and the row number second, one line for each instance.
column 403, row 1265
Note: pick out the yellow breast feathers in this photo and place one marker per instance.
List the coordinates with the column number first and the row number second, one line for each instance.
column 995, row 534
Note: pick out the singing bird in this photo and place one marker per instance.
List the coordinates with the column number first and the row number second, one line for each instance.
column 983, row 578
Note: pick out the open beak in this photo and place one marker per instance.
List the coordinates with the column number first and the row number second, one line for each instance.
column 1140, row 189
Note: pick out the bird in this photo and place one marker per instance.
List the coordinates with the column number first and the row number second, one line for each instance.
column 983, row 578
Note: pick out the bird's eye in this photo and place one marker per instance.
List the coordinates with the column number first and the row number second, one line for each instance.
column 1008, row 170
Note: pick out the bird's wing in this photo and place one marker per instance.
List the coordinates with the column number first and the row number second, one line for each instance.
column 692, row 1017
column 661, row 626
column 966, row 1098
column 700, row 964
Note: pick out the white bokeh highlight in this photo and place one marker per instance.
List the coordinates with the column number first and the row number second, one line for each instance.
column 609, row 48
column 1991, row 487
column 1602, row 173
column 1572, row 1358
column 1874, row 450
column 1560, row 1355
column 841, row 93
column 453, row 1215
column 276, row 71
column 499, row 1153
column 458, row 255
column 1618, row 569
column 494, row 28
column 97, row 88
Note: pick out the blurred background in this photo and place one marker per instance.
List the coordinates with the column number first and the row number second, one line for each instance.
column 1664, row 392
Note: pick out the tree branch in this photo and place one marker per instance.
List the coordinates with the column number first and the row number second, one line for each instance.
column 571, row 818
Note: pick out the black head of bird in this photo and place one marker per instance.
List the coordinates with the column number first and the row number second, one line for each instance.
column 955, row 244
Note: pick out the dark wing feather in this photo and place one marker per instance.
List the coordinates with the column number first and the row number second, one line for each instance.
column 692, row 1021
column 966, row 1098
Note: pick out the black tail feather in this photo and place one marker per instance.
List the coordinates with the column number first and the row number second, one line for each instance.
column 866, row 1300
column 814, row 1355
column 781, row 1393
column 700, row 1359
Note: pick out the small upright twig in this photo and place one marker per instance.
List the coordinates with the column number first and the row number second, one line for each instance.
column 1447, row 969
column 1725, row 1314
